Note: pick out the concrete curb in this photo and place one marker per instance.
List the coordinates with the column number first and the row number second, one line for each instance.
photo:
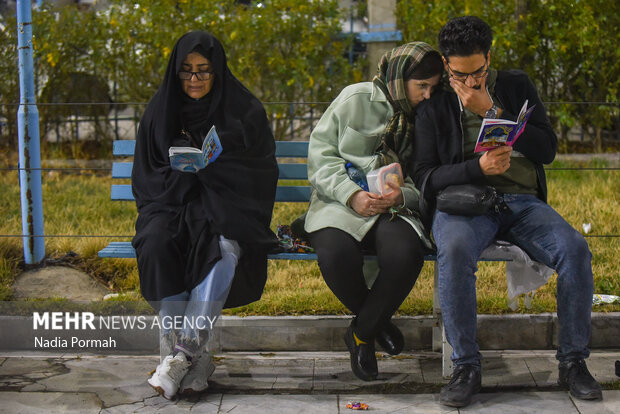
column 300, row 333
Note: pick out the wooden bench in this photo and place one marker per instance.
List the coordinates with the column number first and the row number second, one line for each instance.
column 284, row 193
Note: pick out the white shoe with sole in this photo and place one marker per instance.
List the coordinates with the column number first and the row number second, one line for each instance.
column 169, row 374
column 196, row 379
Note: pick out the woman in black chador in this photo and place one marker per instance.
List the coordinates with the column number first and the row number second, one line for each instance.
column 201, row 238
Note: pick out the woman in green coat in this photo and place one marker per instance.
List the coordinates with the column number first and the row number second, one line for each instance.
column 370, row 124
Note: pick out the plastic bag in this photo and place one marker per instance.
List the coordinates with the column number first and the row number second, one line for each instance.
column 378, row 179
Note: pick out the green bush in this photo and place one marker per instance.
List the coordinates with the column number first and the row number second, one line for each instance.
column 569, row 48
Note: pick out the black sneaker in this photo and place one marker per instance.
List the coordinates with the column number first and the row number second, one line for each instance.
column 465, row 382
column 575, row 376
column 363, row 359
column 391, row 339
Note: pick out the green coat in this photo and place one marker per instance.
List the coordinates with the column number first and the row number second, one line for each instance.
column 350, row 130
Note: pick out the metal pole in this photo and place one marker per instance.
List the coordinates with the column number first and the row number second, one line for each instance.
column 29, row 147
column 352, row 35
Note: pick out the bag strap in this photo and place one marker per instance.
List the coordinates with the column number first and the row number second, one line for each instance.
column 426, row 209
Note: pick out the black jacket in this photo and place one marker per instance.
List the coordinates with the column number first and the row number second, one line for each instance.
column 438, row 142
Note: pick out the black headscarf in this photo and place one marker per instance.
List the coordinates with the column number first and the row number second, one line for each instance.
column 233, row 196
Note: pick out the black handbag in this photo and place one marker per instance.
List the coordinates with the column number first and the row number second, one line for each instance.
column 467, row 199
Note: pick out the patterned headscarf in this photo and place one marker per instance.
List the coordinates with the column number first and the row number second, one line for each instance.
column 390, row 78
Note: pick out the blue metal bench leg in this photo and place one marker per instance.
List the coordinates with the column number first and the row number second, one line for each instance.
column 440, row 343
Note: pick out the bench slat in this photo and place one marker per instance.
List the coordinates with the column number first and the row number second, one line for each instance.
column 293, row 171
column 122, row 169
column 296, row 149
column 124, row 148
column 126, row 250
column 287, row 171
column 292, row 193
column 121, row 192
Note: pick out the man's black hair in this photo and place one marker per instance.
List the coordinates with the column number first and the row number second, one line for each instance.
column 465, row 36
column 429, row 66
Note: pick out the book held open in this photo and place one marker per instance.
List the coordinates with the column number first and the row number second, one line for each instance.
column 498, row 132
column 190, row 159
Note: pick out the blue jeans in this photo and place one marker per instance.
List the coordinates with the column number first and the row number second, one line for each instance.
column 190, row 314
column 546, row 237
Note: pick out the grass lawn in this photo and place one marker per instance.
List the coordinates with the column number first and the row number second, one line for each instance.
column 80, row 205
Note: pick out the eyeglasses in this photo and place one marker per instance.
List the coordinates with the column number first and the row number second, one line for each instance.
column 462, row 77
column 201, row 76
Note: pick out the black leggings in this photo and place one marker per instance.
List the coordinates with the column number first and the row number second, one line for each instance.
column 400, row 256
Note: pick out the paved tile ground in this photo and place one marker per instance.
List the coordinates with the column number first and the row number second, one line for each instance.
column 513, row 382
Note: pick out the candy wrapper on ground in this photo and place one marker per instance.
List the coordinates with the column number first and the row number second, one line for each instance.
column 357, row 406
column 290, row 243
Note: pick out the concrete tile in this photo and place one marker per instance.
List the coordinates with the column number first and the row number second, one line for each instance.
column 497, row 372
column 208, row 403
column 24, row 366
column 279, row 404
column 293, row 374
column 521, row 403
column 335, row 374
column 431, row 371
column 23, row 373
column 239, row 374
column 49, row 403
column 115, row 380
column 282, row 372
column 33, row 388
column 609, row 405
column 544, row 370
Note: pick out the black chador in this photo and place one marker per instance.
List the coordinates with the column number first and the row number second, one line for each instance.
column 181, row 215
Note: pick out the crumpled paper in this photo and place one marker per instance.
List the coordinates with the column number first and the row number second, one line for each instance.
column 600, row 299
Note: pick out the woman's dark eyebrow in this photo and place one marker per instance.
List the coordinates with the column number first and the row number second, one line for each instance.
column 200, row 65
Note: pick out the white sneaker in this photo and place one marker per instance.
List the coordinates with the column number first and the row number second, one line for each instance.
column 168, row 375
column 196, row 379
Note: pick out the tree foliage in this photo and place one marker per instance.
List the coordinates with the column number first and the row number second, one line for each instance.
column 292, row 51
column 568, row 47
column 282, row 50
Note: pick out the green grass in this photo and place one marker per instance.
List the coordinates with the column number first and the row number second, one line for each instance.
column 80, row 205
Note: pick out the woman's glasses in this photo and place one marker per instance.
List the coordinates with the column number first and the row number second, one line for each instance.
column 201, row 76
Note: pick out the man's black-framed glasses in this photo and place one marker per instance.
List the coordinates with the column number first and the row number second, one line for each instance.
column 462, row 77
column 201, row 76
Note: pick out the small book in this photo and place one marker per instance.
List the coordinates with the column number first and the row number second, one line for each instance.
column 498, row 132
column 190, row 159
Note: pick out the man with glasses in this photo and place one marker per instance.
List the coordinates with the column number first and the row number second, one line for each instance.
column 446, row 130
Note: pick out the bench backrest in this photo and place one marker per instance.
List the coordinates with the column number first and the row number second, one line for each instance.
column 284, row 149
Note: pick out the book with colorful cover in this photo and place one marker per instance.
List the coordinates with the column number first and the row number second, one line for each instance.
column 498, row 132
column 190, row 159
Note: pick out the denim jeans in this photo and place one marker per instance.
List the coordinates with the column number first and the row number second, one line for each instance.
column 546, row 237
column 197, row 310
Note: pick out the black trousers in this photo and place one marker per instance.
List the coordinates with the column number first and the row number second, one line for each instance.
column 400, row 256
